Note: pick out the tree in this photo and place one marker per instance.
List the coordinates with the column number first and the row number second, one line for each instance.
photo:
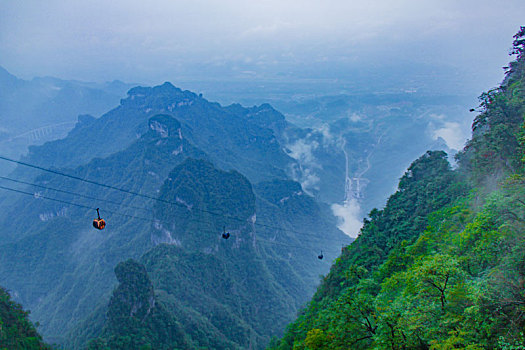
column 16, row 331
column 432, row 278
column 518, row 45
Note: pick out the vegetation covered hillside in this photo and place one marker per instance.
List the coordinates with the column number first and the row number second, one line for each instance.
column 135, row 319
column 442, row 265
column 16, row 331
column 157, row 148
column 195, row 289
column 62, row 269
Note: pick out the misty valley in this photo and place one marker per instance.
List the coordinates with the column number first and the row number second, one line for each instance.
column 153, row 217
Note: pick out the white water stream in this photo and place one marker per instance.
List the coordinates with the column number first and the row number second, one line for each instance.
column 349, row 213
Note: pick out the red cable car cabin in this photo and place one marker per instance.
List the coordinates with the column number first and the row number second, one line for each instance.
column 99, row 223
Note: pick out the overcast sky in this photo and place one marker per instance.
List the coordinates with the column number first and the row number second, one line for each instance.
column 154, row 41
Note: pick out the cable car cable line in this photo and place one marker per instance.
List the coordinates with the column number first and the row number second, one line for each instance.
column 38, row 196
column 289, row 245
column 225, row 235
column 146, row 196
column 116, row 203
column 44, row 197
column 74, row 194
column 131, row 216
column 114, row 188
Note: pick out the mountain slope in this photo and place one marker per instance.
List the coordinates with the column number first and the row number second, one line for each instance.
column 58, row 265
column 133, row 305
column 221, row 293
column 441, row 266
column 16, row 331
column 43, row 109
column 62, row 268
column 231, row 141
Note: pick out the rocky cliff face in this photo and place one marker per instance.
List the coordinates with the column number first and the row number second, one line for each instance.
column 134, row 297
column 134, row 318
column 250, row 281
column 234, row 139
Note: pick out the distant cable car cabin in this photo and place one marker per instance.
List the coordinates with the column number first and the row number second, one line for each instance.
column 320, row 256
column 225, row 234
column 99, row 223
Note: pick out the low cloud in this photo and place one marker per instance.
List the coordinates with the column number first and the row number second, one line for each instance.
column 309, row 181
column 327, row 135
column 302, row 151
column 306, row 177
column 349, row 217
column 355, row 117
column 452, row 133
column 304, row 173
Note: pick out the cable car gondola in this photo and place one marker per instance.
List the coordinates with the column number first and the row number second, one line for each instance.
column 99, row 223
column 225, row 234
column 320, row 256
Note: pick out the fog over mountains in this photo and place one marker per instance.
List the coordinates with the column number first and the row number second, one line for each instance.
column 274, row 174
column 335, row 141
column 44, row 109
column 298, row 178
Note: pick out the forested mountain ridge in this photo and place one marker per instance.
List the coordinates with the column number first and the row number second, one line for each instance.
column 62, row 269
column 232, row 140
column 134, row 305
column 16, row 331
column 214, row 293
column 52, row 258
column 441, row 266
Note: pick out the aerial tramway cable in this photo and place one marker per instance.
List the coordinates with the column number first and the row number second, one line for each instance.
column 144, row 195
column 258, row 239
column 74, row 193
column 114, row 188
column 224, row 235
column 38, row 196
column 67, row 202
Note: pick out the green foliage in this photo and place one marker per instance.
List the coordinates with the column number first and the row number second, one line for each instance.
column 496, row 147
column 16, row 331
column 214, row 293
column 441, row 266
column 61, row 266
column 135, row 319
column 64, row 268
column 205, row 194
column 458, row 285
column 428, row 184
column 518, row 45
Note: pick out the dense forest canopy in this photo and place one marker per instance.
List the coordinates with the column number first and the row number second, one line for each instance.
column 441, row 266
column 16, row 331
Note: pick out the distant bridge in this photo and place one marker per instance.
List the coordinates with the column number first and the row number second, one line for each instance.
column 44, row 132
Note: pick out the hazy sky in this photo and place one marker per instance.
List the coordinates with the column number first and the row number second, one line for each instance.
column 154, row 41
